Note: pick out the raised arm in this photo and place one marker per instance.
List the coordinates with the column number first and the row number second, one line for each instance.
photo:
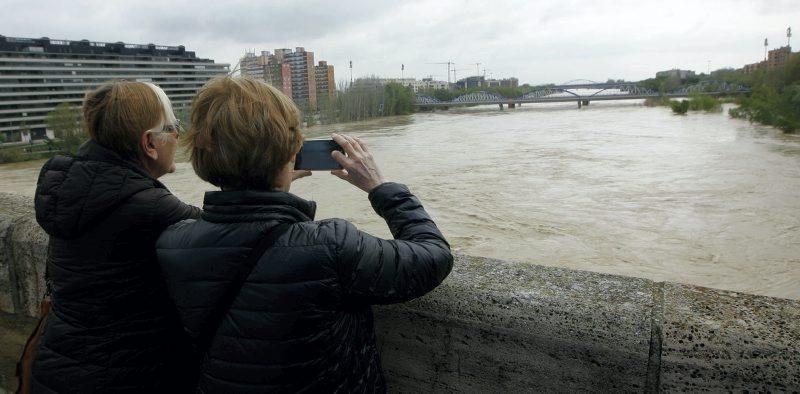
column 378, row 271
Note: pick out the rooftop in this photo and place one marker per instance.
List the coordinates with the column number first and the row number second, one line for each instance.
column 86, row 47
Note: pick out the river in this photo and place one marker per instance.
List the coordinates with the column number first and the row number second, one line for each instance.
column 615, row 187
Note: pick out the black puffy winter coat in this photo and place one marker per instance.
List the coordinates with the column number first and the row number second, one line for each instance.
column 112, row 327
column 302, row 321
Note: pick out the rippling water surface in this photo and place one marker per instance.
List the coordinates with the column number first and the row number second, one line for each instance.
column 614, row 187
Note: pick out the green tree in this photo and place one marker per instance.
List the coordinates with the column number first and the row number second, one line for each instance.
column 361, row 100
column 398, row 99
column 65, row 121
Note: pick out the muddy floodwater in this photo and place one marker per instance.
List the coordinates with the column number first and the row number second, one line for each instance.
column 614, row 187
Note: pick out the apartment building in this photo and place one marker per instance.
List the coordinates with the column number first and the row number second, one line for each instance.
column 269, row 68
column 676, row 73
column 294, row 72
column 304, row 79
column 326, row 84
column 775, row 58
column 37, row 74
column 417, row 85
column 778, row 57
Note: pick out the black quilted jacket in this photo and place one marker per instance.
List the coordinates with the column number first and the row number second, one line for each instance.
column 302, row 321
column 112, row 328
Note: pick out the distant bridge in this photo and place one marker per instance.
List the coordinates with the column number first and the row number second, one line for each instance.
column 582, row 92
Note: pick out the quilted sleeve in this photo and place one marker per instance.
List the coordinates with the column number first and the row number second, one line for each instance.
column 378, row 271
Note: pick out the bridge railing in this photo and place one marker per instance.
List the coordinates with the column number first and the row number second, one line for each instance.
column 576, row 92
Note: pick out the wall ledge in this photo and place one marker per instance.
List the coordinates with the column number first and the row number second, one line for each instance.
column 507, row 326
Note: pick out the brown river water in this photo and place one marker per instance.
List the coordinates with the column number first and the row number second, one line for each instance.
column 614, row 187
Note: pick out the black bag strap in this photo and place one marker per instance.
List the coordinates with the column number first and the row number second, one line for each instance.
column 242, row 272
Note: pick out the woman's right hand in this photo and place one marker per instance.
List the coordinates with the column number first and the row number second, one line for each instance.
column 358, row 167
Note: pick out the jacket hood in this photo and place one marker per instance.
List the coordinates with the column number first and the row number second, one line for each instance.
column 74, row 192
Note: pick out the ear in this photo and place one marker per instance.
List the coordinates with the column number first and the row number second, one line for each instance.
column 148, row 145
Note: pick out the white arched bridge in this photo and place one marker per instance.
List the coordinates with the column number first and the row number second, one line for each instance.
column 582, row 92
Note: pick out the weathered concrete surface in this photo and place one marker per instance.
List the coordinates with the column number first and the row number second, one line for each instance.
column 497, row 326
column 23, row 251
column 716, row 340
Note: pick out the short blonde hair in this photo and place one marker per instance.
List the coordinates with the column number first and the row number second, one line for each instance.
column 117, row 113
column 242, row 133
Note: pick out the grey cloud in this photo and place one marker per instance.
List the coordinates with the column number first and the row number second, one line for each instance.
column 541, row 41
column 248, row 22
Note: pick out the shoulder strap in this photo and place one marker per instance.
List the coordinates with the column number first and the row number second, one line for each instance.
column 235, row 286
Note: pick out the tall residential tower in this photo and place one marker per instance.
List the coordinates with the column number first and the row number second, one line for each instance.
column 294, row 73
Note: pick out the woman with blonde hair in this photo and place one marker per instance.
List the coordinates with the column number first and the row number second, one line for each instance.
column 279, row 302
column 112, row 328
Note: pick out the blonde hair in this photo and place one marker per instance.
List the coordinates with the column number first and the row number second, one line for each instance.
column 166, row 105
column 242, row 133
column 117, row 113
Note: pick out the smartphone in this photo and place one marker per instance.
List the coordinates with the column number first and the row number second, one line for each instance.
column 316, row 155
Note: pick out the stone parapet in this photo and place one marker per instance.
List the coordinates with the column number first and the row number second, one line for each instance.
column 498, row 326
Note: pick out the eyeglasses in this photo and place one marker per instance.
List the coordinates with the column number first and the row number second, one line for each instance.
column 170, row 128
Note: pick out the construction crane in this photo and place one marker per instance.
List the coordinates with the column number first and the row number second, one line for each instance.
column 448, row 68
column 477, row 68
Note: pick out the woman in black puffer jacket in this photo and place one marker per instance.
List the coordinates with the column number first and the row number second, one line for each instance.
column 112, row 328
column 302, row 320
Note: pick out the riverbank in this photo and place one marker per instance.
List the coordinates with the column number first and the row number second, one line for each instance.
column 18, row 152
column 775, row 97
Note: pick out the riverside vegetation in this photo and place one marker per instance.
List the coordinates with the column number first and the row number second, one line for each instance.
column 774, row 99
column 65, row 122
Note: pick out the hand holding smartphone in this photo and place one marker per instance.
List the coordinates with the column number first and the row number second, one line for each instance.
column 357, row 164
column 359, row 167
column 316, row 155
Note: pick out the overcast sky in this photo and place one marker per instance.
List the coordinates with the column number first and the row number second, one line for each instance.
column 536, row 41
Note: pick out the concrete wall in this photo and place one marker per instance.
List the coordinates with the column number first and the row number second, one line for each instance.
column 23, row 250
column 497, row 326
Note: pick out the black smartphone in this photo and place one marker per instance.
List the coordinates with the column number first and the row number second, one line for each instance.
column 316, row 155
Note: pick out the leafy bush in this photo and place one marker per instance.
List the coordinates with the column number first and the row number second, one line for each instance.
column 680, row 107
column 701, row 102
column 10, row 156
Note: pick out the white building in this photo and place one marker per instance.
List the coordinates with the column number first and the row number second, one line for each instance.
column 37, row 74
column 417, row 85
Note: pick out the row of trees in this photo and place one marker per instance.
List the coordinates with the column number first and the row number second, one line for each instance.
column 364, row 99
